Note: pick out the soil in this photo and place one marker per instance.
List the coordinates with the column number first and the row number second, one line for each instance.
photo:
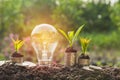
column 10, row 71
column 83, row 56
column 16, row 54
column 70, row 49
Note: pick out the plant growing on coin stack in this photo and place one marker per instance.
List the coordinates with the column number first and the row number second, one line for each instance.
column 17, row 57
column 70, row 52
column 84, row 59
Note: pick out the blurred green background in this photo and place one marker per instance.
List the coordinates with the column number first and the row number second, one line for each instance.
column 101, row 19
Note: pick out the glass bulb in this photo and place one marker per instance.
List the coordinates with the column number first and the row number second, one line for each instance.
column 44, row 42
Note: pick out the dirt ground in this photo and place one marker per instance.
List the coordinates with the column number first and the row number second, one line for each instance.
column 10, row 71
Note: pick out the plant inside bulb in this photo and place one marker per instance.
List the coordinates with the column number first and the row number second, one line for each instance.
column 44, row 42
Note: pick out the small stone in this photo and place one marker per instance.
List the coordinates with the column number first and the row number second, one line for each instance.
column 87, row 68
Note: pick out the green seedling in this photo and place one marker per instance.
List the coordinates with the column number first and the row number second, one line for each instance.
column 84, row 44
column 17, row 44
column 72, row 35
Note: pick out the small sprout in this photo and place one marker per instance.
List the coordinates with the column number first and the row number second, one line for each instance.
column 17, row 44
column 84, row 44
column 71, row 36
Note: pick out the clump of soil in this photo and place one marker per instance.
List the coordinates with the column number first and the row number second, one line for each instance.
column 70, row 49
column 15, row 54
column 10, row 71
column 83, row 56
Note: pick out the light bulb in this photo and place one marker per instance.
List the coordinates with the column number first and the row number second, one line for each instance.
column 44, row 42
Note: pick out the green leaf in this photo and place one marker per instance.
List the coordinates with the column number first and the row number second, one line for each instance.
column 19, row 45
column 77, row 33
column 64, row 34
column 84, row 44
column 16, row 44
column 71, row 35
